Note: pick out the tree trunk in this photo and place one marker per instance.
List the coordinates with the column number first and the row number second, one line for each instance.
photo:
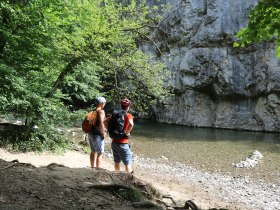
column 68, row 69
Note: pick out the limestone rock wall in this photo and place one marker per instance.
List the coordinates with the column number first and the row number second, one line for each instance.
column 216, row 85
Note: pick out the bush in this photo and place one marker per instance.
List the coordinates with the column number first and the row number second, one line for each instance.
column 23, row 138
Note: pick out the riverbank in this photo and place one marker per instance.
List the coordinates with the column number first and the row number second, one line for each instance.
column 176, row 180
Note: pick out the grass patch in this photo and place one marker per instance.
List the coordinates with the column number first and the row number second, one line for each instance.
column 133, row 195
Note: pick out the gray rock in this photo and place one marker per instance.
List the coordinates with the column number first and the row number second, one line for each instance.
column 216, row 85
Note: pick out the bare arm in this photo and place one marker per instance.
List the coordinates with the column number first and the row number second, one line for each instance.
column 101, row 117
column 106, row 122
column 130, row 126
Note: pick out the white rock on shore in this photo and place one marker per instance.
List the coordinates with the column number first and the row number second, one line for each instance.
column 251, row 161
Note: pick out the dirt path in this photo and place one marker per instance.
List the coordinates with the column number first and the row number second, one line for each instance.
column 180, row 183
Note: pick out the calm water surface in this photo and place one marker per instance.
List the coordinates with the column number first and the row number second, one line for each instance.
column 212, row 150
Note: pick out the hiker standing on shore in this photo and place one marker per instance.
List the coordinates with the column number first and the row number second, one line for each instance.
column 97, row 134
column 120, row 124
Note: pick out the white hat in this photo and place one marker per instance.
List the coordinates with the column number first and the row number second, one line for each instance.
column 100, row 100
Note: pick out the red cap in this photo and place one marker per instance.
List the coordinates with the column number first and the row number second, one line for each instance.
column 125, row 102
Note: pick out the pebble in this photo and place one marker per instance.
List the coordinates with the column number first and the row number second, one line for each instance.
column 258, row 195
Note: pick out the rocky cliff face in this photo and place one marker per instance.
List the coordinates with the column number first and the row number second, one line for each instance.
column 216, row 85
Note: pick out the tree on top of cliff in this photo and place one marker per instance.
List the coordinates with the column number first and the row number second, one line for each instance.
column 264, row 25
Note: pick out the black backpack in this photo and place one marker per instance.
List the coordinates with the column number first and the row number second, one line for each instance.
column 116, row 124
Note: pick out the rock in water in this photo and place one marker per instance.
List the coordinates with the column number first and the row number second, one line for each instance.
column 251, row 161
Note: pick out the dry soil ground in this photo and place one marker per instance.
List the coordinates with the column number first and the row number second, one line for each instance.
column 52, row 181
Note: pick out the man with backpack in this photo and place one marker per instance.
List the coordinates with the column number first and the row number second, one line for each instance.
column 97, row 134
column 120, row 124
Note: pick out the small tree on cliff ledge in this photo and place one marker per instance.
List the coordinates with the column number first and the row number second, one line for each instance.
column 264, row 25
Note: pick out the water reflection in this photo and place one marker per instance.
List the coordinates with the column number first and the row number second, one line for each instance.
column 167, row 132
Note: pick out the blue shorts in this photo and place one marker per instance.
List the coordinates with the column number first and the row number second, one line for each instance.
column 96, row 143
column 121, row 152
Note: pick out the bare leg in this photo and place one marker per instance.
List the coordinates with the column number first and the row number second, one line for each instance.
column 128, row 168
column 117, row 167
column 93, row 159
column 99, row 160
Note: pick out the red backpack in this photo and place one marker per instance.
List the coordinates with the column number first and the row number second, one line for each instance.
column 89, row 121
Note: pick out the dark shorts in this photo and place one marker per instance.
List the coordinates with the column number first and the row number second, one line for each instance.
column 121, row 152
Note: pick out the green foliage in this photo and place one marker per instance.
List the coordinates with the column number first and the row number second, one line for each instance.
column 56, row 52
column 133, row 195
column 84, row 83
column 32, row 139
column 264, row 25
column 135, row 78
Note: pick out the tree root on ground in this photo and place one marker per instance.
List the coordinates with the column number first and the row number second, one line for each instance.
column 17, row 163
column 109, row 186
column 167, row 196
column 188, row 205
column 51, row 166
column 145, row 204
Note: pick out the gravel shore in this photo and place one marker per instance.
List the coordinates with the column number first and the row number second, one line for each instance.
column 235, row 192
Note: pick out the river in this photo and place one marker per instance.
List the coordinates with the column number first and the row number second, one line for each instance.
column 210, row 150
